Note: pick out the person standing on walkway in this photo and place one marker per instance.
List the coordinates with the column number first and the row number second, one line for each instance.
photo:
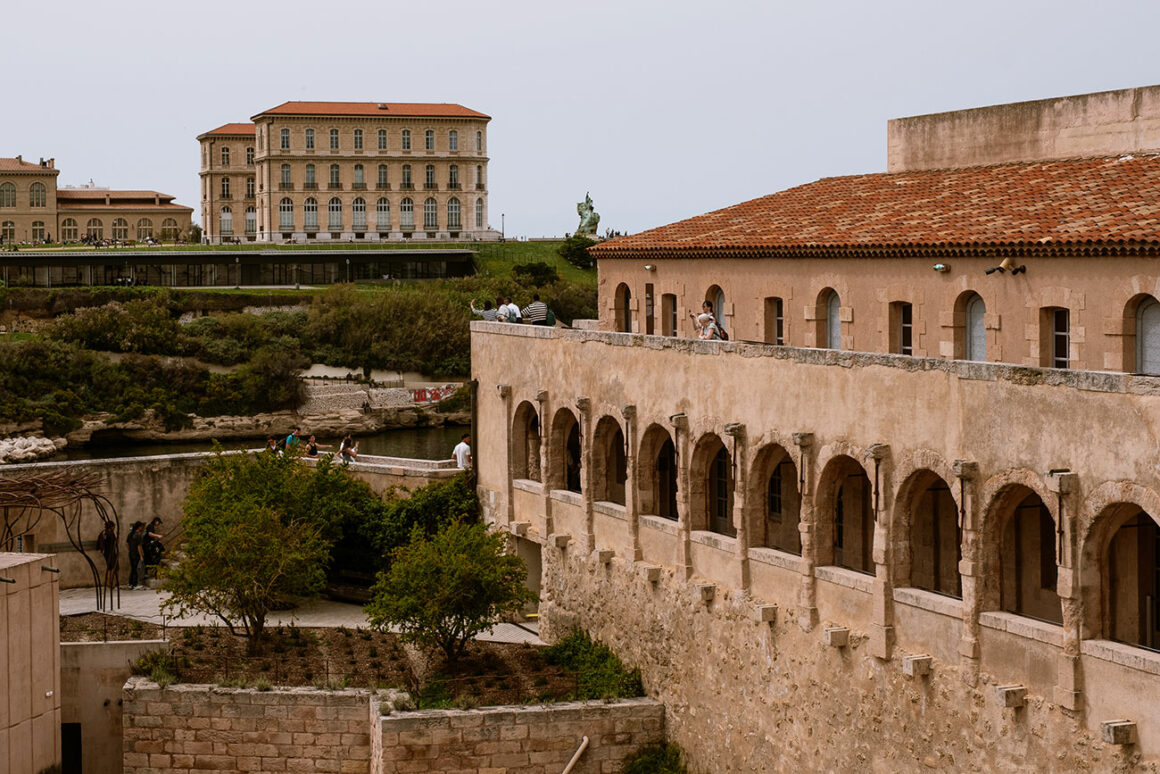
column 462, row 452
column 136, row 553
column 107, row 545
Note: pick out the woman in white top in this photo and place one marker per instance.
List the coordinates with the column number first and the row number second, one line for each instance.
column 707, row 329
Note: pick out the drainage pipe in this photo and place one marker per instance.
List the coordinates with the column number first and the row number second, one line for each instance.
column 575, row 757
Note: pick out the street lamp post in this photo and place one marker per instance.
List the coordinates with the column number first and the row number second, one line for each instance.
column 502, row 236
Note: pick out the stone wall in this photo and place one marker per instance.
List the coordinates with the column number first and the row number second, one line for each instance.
column 185, row 728
column 92, row 677
column 520, row 740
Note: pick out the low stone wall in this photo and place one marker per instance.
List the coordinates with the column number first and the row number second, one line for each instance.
column 185, row 728
column 520, row 740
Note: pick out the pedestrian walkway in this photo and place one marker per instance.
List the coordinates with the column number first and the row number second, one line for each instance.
column 145, row 605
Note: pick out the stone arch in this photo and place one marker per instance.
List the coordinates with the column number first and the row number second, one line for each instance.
column 1019, row 558
column 657, row 469
column 715, row 296
column 927, row 532
column 622, row 310
column 565, row 452
column 711, row 483
column 844, row 513
column 773, row 502
column 526, row 442
column 609, row 463
column 1107, row 513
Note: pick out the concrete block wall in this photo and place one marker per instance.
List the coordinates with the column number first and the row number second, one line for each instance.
column 521, row 740
column 183, row 729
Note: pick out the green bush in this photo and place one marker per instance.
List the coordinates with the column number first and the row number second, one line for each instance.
column 575, row 251
column 655, row 759
column 537, row 274
column 599, row 672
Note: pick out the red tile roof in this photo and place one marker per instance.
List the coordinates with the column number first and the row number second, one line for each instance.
column 66, row 207
column 19, row 165
column 101, row 193
column 1069, row 201
column 401, row 109
column 232, row 130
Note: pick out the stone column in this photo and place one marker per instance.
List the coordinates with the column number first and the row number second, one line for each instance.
column 740, row 488
column 1065, row 485
column 505, row 395
column 681, row 445
column 545, row 459
column 587, row 438
column 631, row 500
column 882, row 631
column 808, row 602
column 970, row 568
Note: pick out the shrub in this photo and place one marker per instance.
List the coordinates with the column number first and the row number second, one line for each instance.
column 575, row 251
column 537, row 274
column 655, row 759
column 599, row 672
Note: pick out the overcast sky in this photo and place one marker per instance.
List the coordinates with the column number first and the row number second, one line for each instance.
column 662, row 109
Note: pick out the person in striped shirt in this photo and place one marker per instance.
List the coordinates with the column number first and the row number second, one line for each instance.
column 536, row 312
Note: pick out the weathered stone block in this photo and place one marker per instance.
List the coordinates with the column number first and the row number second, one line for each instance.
column 1011, row 695
column 836, row 636
column 765, row 613
column 916, row 666
column 1118, row 732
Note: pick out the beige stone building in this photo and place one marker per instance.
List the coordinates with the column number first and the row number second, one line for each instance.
column 34, row 209
column 347, row 171
column 907, row 517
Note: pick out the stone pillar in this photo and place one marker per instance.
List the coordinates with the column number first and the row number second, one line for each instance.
column 1065, row 485
column 882, row 627
column 505, row 395
column 740, row 488
column 631, row 500
column 970, row 567
column 808, row 601
column 587, row 438
column 681, row 444
column 545, row 460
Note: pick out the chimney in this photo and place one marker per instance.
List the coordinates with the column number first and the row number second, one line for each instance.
column 42, row 161
column 52, row 163
column 106, row 198
column 19, row 159
column 383, row 106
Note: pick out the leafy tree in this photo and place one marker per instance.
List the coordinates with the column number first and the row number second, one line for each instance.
column 443, row 590
column 256, row 530
column 538, row 274
column 194, row 234
column 575, row 251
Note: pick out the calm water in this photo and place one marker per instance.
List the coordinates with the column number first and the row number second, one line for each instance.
column 428, row 443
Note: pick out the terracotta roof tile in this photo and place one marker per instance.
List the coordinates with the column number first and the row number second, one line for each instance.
column 234, row 130
column 401, row 109
column 63, row 194
column 66, row 206
column 19, row 165
column 1068, row 201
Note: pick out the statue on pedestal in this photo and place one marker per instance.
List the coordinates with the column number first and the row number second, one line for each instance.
column 589, row 217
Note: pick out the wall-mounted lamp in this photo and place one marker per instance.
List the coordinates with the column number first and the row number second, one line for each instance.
column 941, row 268
column 650, row 267
column 1007, row 265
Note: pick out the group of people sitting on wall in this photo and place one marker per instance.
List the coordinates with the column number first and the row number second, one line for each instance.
column 707, row 325
column 292, row 444
column 535, row 313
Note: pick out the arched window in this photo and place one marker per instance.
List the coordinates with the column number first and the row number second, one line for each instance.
column 1028, row 571
column 334, row 214
column 226, row 187
column 285, row 176
column 286, row 215
column 383, row 215
column 776, row 500
column 453, row 140
column 335, row 180
column 8, row 232
column 430, row 214
column 453, row 213
column 382, row 139
column 833, row 321
column 711, row 490
column 974, row 328
column 609, row 463
column 120, row 229
column 565, row 450
column 526, row 442
column 382, row 180
column 1132, row 578
column 311, row 181
column 429, row 139
column 285, row 137
column 929, row 559
column 360, row 180
column 334, row 139
column 359, row 213
column 429, row 171
column 95, row 229
column 7, row 195
column 716, row 296
column 407, row 214
column 169, row 229
column 68, row 230
column 406, row 139
column 144, row 228
column 479, row 213
column 310, row 214
column 309, row 139
column 358, row 139
column 845, row 516
column 226, row 223
column 225, row 157
column 37, row 195
column 251, row 220
column 1148, row 337
column 623, row 309
column 38, row 231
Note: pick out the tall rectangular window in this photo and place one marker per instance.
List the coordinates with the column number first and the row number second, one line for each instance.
column 649, row 324
column 406, row 143
column 429, row 139
column 382, row 181
column 285, row 175
column 902, row 328
column 285, row 135
column 453, row 140
column 479, row 141
column 358, row 139
column 249, row 188
column 774, row 321
column 1060, row 338
column 669, row 314
column 309, row 139
column 382, row 139
column 334, row 179
column 249, row 157
column 334, row 139
column 310, row 181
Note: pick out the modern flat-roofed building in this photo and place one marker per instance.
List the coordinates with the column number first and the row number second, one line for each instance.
column 347, row 171
column 34, row 209
column 910, row 511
